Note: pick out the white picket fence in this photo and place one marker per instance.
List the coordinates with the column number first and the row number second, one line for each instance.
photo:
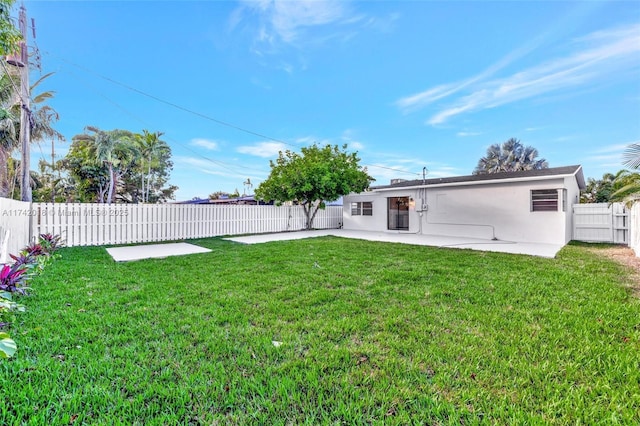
column 15, row 220
column 634, row 224
column 601, row 222
column 101, row 224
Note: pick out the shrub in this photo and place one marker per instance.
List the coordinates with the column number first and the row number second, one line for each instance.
column 50, row 243
column 12, row 278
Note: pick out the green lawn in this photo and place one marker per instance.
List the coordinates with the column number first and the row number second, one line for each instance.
column 371, row 333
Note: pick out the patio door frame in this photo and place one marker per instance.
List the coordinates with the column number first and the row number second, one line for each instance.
column 398, row 213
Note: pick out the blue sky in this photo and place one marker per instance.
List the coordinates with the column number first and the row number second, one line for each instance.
column 406, row 84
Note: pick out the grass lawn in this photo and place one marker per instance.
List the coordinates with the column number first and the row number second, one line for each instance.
column 370, row 333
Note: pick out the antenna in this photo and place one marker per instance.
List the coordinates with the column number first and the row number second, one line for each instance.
column 247, row 185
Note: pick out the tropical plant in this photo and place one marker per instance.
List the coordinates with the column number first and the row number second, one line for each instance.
column 10, row 37
column 154, row 159
column 511, row 156
column 41, row 118
column 626, row 187
column 23, row 259
column 8, row 308
column 88, row 178
column 50, row 243
column 113, row 148
column 12, row 278
column 8, row 132
column 7, row 345
column 627, row 184
column 599, row 190
column 313, row 177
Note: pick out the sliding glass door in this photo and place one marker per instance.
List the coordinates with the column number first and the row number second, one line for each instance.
column 398, row 213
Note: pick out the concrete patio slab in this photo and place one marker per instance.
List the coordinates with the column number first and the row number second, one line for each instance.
column 532, row 249
column 149, row 251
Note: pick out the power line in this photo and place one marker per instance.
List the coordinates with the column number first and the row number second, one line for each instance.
column 201, row 115
column 174, row 105
column 144, row 123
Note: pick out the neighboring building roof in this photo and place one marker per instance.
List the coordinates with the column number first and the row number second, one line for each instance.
column 492, row 177
column 195, row 201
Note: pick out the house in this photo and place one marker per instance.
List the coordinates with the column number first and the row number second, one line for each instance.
column 529, row 206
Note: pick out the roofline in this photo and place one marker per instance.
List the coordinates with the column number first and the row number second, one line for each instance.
column 577, row 174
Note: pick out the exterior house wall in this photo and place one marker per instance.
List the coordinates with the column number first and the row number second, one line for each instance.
column 573, row 197
column 500, row 209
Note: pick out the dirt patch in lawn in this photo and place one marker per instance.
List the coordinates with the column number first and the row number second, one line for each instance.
column 627, row 257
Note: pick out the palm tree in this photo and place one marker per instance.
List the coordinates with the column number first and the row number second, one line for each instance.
column 511, row 156
column 626, row 186
column 42, row 117
column 151, row 149
column 631, row 156
column 626, row 183
column 113, row 148
column 8, row 125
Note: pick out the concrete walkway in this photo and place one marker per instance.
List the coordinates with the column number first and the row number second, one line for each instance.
column 532, row 249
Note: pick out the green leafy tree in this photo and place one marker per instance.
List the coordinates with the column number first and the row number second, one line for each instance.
column 599, row 190
column 313, row 177
column 113, row 148
column 148, row 178
column 92, row 170
column 89, row 177
column 10, row 37
column 511, row 156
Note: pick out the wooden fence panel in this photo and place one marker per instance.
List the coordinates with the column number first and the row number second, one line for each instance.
column 104, row 224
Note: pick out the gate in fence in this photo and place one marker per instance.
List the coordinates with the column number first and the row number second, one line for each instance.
column 601, row 222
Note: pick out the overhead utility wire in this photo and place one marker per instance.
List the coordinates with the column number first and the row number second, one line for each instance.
column 206, row 117
column 190, row 111
column 137, row 118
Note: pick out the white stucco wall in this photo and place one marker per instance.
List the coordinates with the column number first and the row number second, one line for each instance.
column 478, row 211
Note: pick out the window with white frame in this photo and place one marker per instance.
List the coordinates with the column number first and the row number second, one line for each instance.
column 544, row 200
column 364, row 208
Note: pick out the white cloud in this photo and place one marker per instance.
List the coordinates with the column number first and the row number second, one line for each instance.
column 286, row 21
column 206, row 143
column 262, row 149
column 615, row 148
column 599, row 55
column 467, row 134
column 419, row 100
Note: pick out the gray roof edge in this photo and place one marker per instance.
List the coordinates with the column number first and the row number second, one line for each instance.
column 575, row 170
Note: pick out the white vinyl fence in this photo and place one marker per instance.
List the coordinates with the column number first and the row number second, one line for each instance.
column 634, row 224
column 601, row 222
column 101, row 224
column 15, row 218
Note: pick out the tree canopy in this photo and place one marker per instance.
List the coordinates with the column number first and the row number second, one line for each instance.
column 511, row 156
column 313, row 177
column 119, row 165
column 10, row 37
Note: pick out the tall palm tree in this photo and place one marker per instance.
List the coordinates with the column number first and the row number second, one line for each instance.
column 42, row 117
column 151, row 147
column 115, row 149
column 511, row 156
column 8, row 125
